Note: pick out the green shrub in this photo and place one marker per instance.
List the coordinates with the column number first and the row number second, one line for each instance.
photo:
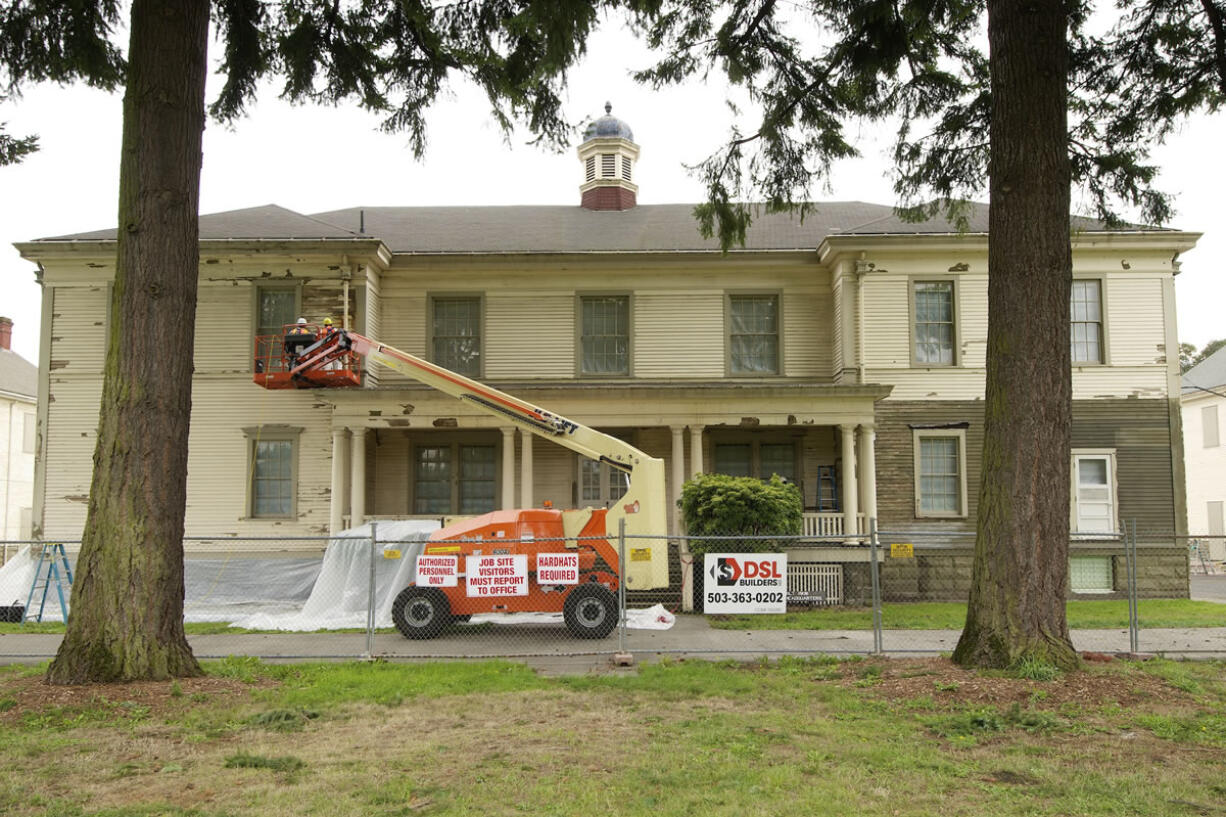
column 719, row 505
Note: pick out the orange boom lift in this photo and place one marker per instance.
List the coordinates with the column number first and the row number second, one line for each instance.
column 589, row 607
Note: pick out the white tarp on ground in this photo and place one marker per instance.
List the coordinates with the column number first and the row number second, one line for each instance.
column 302, row 594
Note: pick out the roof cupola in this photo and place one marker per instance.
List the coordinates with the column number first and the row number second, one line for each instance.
column 608, row 154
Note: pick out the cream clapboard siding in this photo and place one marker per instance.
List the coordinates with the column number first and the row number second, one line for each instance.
column 219, row 463
column 807, row 341
column 78, row 336
column 554, row 471
column 679, row 334
column 391, row 484
column 224, row 338
column 887, row 312
column 68, row 452
column 529, row 335
column 1135, row 306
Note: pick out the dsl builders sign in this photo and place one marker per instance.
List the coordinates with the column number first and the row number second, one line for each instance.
column 745, row 583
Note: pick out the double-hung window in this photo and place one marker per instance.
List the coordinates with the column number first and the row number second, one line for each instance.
column 756, row 458
column 604, row 335
column 274, row 308
column 753, row 334
column 454, row 478
column 273, row 468
column 1086, row 314
column 934, row 335
column 1093, row 500
column 455, row 333
column 1210, row 436
column 940, row 472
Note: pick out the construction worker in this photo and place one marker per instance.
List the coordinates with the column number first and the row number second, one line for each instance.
column 297, row 338
column 324, row 332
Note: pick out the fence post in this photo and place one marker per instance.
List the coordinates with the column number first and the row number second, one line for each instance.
column 621, row 585
column 876, row 583
column 370, row 597
column 1134, row 638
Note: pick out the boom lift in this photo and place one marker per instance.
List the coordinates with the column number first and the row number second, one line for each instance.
column 589, row 607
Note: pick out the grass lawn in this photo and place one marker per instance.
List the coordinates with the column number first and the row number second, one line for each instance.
column 800, row 737
column 1082, row 615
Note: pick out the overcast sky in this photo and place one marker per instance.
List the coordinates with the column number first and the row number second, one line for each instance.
column 312, row 159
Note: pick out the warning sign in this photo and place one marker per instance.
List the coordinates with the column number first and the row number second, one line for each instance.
column 497, row 575
column 557, row 568
column 437, row 571
column 902, row 550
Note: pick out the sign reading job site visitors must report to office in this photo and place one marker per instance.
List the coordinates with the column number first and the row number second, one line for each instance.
column 502, row 575
column 437, row 571
column 745, row 583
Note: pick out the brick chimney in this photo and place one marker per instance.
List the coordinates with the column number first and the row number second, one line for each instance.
column 608, row 154
column 6, row 333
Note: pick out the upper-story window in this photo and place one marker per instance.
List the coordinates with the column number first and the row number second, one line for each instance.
column 934, row 323
column 1086, row 312
column 604, row 334
column 1209, row 427
column 753, row 334
column 29, row 432
column 275, row 307
column 455, row 333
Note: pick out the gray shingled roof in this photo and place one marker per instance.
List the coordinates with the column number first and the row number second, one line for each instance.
column 1208, row 374
column 563, row 229
column 18, row 375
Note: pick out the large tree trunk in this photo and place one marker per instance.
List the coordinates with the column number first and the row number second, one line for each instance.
column 126, row 620
column 1020, row 576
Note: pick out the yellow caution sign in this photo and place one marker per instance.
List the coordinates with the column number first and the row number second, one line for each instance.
column 640, row 554
column 899, row 550
column 443, row 549
column 391, row 553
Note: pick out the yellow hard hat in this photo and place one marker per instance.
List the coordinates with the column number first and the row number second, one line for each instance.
column 327, row 321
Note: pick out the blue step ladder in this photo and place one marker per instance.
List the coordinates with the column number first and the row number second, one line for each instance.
column 57, row 571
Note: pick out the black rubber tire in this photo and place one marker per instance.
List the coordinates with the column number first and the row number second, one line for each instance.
column 421, row 612
column 590, row 611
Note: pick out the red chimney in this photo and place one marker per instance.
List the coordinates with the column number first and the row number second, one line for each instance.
column 6, row 333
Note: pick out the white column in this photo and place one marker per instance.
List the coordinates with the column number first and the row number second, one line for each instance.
column 678, row 467
column 851, row 492
column 526, row 499
column 336, row 503
column 508, row 467
column 696, row 450
column 357, row 478
column 868, row 470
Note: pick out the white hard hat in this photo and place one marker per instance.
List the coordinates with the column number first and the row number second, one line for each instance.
column 302, row 320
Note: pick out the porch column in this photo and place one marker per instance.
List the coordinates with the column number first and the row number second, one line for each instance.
column 868, row 470
column 336, row 503
column 525, row 468
column 851, row 492
column 357, row 478
column 678, row 464
column 508, row 467
column 696, row 450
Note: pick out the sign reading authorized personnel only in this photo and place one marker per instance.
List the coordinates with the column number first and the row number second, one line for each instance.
column 557, row 568
column 499, row 575
column 437, row 571
column 745, row 583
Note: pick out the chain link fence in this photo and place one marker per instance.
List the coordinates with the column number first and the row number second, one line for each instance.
column 386, row 590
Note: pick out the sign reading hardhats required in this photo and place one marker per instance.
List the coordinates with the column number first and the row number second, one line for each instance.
column 739, row 583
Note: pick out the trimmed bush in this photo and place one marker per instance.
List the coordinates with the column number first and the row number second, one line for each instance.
column 719, row 505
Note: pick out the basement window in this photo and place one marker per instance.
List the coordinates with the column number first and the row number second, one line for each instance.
column 1091, row 574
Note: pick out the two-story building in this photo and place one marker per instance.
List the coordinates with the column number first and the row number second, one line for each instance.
column 1204, row 409
column 844, row 351
column 18, row 402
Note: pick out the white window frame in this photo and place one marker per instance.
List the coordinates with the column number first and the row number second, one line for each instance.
column 917, row 436
column 29, row 432
column 1101, row 322
column 1109, row 455
column 267, row 434
column 954, row 358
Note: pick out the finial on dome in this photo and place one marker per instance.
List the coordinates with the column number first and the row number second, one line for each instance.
column 608, row 107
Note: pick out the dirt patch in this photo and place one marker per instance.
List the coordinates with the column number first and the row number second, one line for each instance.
column 22, row 696
column 944, row 681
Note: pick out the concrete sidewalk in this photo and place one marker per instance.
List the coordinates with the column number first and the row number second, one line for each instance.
column 551, row 650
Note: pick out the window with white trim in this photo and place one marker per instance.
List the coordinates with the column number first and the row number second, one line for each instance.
column 940, row 472
column 272, row 453
column 604, row 334
column 29, row 431
column 1086, row 314
column 1094, row 493
column 934, row 323
column 753, row 334
column 455, row 335
column 1209, row 427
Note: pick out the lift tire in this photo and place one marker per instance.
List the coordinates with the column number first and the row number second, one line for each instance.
column 590, row 611
column 421, row 612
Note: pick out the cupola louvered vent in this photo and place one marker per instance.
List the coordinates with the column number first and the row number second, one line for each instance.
column 626, row 168
column 591, row 168
column 608, row 165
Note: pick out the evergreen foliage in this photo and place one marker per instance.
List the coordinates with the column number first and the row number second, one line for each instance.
column 720, row 505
